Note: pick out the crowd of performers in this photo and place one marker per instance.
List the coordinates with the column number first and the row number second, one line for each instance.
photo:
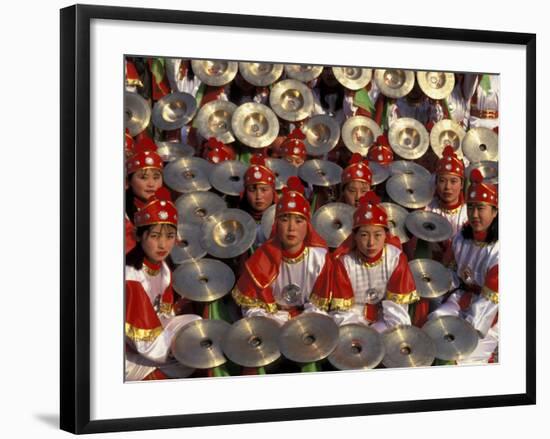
column 293, row 271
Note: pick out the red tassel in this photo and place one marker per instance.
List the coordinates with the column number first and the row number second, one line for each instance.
column 294, row 184
column 162, row 194
column 257, row 159
column 448, row 151
column 297, row 134
column 145, row 144
column 476, row 176
column 369, row 197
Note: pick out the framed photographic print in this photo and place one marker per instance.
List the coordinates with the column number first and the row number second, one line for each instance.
column 256, row 204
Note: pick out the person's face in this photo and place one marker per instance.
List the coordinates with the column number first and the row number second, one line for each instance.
column 481, row 216
column 448, row 188
column 354, row 190
column 370, row 240
column 259, row 196
column 158, row 241
column 294, row 161
column 291, row 231
column 145, row 182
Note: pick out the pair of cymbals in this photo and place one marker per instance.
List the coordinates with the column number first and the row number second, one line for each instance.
column 432, row 279
column 394, row 83
column 228, row 177
column 353, row 78
column 199, row 344
column 410, row 191
column 203, row 280
column 214, row 120
column 260, row 74
column 480, row 144
column 445, row 133
column 282, row 170
column 174, row 111
column 436, row 85
column 320, row 172
column 379, row 173
column 308, row 337
column 303, row 72
column 409, row 168
column 359, row 133
column 215, row 72
column 454, row 337
column 429, row 226
column 408, row 346
column 137, row 113
column 359, row 347
column 188, row 246
column 196, row 207
column 291, row 100
column 334, row 222
column 408, row 138
column 488, row 169
column 396, row 220
column 322, row 134
column 255, row 125
column 170, row 151
column 188, row 174
column 228, row 233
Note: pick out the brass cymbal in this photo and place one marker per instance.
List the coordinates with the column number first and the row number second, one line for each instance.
column 174, row 111
column 320, row 172
column 408, row 138
column 291, row 100
column 188, row 245
column 334, row 222
column 408, row 346
column 396, row 220
column 188, row 174
column 228, row 233
column 137, row 113
column 260, row 74
column 253, row 342
column 379, row 173
column 199, row 343
column 177, row 370
column 436, row 85
column 432, row 278
column 170, row 151
column 444, row 133
column 215, row 72
column 359, row 133
column 453, row 336
column 282, row 170
column 303, row 72
column 429, row 226
column 228, row 177
column 409, row 168
column 394, row 83
column 308, row 337
column 214, row 120
column 195, row 207
column 268, row 218
column 353, row 78
column 255, row 125
column 480, row 144
column 359, row 347
column 409, row 191
column 203, row 280
column 322, row 134
column 488, row 169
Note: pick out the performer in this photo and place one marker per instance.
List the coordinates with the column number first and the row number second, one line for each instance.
column 150, row 320
column 289, row 273
column 476, row 252
column 356, row 180
column 143, row 179
column 372, row 282
column 381, row 152
column 482, row 92
column 293, row 149
column 217, row 152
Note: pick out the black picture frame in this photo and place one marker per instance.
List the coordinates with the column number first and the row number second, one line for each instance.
column 75, row 217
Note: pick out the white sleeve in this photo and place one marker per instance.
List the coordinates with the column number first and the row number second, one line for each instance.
column 395, row 314
column 481, row 314
column 450, row 307
column 280, row 316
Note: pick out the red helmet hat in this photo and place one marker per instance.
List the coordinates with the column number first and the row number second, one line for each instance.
column 217, row 152
column 292, row 200
column 369, row 212
column 358, row 169
column 158, row 210
column 258, row 172
column 294, row 146
column 480, row 191
column 381, row 151
column 449, row 163
column 144, row 157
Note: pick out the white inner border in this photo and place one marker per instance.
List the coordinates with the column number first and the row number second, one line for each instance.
column 111, row 398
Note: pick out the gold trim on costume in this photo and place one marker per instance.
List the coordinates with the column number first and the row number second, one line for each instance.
column 165, row 308
column 403, row 299
column 256, row 281
column 450, row 211
column 372, row 264
column 298, row 258
column 249, row 302
column 341, row 304
column 134, row 83
column 320, row 302
column 480, row 244
column 489, row 294
column 139, row 334
column 150, row 271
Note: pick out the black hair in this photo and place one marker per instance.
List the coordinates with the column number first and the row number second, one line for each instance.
column 130, row 206
column 492, row 231
column 135, row 257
